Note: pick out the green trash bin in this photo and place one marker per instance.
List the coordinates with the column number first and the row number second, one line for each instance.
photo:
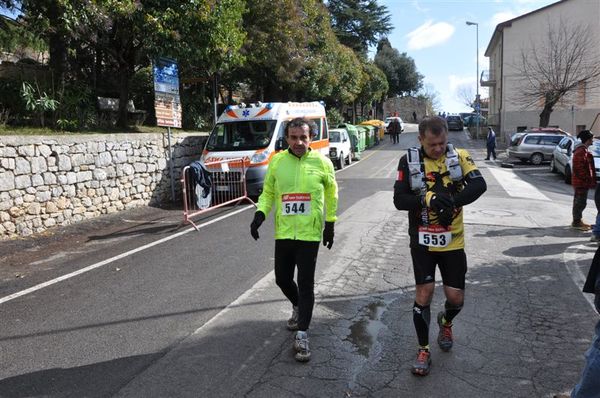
column 362, row 136
column 357, row 139
column 369, row 135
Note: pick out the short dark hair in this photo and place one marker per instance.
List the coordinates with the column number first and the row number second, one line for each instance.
column 585, row 135
column 434, row 124
column 301, row 122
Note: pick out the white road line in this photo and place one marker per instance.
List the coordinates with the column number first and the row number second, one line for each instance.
column 571, row 258
column 516, row 187
column 128, row 253
column 115, row 258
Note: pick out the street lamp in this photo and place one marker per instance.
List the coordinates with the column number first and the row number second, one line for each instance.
column 477, row 103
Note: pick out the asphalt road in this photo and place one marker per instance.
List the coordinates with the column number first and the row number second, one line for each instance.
column 164, row 310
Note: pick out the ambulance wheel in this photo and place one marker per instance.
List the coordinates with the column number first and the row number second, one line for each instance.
column 349, row 161
column 340, row 162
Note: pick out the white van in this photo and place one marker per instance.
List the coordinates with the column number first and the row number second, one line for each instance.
column 255, row 132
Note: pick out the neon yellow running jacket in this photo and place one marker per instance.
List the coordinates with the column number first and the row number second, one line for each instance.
column 299, row 188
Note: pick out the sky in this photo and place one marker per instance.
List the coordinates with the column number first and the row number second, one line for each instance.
column 435, row 34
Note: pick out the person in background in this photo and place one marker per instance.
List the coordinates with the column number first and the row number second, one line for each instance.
column 491, row 144
column 394, row 130
column 414, row 116
column 300, row 186
column 583, row 178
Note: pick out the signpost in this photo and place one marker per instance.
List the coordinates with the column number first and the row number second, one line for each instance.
column 167, row 104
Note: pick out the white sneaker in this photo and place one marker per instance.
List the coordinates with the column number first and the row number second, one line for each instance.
column 292, row 323
column 301, row 347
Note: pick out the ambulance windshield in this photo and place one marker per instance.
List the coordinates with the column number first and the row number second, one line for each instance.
column 242, row 135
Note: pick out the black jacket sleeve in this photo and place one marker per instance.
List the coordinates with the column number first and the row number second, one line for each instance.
column 404, row 198
column 474, row 187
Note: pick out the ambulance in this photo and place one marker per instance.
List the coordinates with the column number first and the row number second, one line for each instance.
column 255, row 132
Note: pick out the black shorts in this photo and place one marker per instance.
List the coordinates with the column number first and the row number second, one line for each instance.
column 453, row 267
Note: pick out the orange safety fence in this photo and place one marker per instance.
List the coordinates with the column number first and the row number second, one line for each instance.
column 228, row 186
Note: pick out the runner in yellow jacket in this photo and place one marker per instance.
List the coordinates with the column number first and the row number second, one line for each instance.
column 300, row 186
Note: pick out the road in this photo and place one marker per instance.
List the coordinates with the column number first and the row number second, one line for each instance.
column 150, row 308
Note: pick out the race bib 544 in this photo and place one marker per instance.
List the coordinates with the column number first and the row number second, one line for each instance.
column 295, row 204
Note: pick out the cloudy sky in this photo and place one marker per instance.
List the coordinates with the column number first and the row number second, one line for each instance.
column 435, row 35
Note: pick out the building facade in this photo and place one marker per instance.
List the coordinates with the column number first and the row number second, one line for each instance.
column 578, row 110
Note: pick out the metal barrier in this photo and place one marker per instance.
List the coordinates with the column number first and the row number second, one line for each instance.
column 228, row 186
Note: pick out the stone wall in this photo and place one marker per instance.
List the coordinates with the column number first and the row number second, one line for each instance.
column 58, row 180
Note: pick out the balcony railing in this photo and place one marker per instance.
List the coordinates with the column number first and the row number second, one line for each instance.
column 487, row 78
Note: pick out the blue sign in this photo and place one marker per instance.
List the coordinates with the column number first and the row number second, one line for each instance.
column 166, row 76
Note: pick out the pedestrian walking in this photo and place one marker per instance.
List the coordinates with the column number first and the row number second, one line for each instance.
column 414, row 116
column 491, row 144
column 394, row 130
column 583, row 178
column 434, row 182
column 298, row 183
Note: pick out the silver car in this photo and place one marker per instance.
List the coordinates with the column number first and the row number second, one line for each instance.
column 534, row 145
column 562, row 159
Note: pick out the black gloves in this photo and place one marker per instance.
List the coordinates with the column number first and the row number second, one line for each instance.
column 259, row 217
column 328, row 234
column 441, row 203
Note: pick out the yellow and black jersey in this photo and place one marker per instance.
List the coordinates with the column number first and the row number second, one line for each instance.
column 424, row 227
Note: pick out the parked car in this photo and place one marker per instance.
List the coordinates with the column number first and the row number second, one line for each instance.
column 340, row 147
column 535, row 145
column 388, row 120
column 454, row 122
column 562, row 159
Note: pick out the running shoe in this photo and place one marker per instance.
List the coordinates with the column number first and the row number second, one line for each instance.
column 301, row 347
column 580, row 225
column 422, row 363
column 445, row 335
column 292, row 323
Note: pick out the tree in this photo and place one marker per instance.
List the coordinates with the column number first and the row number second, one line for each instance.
column 431, row 97
column 375, row 86
column 123, row 36
column 275, row 49
column 466, row 95
column 400, row 69
column 565, row 62
column 358, row 24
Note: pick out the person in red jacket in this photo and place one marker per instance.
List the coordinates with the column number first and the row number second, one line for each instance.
column 583, row 178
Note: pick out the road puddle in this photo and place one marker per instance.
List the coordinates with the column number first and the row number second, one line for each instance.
column 364, row 332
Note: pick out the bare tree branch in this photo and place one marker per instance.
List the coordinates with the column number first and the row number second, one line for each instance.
column 558, row 66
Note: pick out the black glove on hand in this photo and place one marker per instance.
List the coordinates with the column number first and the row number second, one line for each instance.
column 442, row 203
column 328, row 234
column 259, row 217
column 445, row 218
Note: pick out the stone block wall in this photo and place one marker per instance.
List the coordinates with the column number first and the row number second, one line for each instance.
column 58, row 180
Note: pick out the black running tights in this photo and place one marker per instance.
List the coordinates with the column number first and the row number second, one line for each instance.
column 290, row 254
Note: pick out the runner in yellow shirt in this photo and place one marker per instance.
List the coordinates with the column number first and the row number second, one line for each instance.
column 434, row 182
column 298, row 184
